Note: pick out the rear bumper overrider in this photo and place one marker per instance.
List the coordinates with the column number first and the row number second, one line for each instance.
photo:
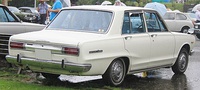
column 49, row 66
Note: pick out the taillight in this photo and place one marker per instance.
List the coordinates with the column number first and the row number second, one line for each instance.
column 71, row 51
column 16, row 45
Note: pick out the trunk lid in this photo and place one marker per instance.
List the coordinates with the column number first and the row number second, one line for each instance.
column 56, row 37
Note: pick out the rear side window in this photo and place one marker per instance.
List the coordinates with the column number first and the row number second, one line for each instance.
column 169, row 16
column 180, row 16
column 137, row 23
column 133, row 23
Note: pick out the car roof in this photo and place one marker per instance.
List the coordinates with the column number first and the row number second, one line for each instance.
column 174, row 12
column 108, row 8
column 27, row 7
column 11, row 7
column 2, row 5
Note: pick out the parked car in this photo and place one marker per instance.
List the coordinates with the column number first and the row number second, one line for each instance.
column 195, row 30
column 17, row 12
column 26, row 17
column 192, row 17
column 178, row 21
column 10, row 24
column 33, row 16
column 102, row 40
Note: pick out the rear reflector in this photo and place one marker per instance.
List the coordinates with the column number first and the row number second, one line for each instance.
column 16, row 45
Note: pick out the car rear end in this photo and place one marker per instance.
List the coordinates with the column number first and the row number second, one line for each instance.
column 59, row 48
column 46, row 53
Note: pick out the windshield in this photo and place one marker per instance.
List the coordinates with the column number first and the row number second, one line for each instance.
column 82, row 20
column 192, row 15
column 14, row 9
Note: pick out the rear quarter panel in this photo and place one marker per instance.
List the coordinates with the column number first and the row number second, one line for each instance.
column 100, row 53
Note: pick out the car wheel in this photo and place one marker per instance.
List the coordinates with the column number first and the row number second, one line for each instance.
column 181, row 63
column 198, row 36
column 185, row 30
column 115, row 73
column 50, row 76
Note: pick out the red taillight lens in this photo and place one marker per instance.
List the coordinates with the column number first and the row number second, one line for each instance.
column 16, row 45
column 72, row 51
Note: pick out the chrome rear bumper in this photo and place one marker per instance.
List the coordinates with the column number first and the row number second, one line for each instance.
column 49, row 66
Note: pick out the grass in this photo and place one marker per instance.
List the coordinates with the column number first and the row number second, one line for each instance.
column 10, row 80
column 14, row 85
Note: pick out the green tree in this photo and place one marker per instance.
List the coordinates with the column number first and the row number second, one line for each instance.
column 129, row 3
column 135, row 4
column 85, row 2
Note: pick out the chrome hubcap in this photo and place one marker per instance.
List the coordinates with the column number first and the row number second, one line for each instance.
column 182, row 61
column 117, row 71
column 185, row 31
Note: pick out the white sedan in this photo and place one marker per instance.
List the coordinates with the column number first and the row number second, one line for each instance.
column 178, row 21
column 102, row 40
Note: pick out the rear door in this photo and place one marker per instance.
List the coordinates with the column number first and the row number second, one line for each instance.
column 137, row 41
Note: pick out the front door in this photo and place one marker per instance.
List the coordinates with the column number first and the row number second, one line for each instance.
column 162, row 41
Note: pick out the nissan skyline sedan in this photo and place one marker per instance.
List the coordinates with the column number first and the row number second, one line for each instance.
column 110, row 41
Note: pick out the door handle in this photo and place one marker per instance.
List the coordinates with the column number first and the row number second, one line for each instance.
column 128, row 37
column 153, row 35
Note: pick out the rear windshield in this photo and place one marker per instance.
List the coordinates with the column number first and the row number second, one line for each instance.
column 82, row 20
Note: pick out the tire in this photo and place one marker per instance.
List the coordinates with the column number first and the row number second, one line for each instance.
column 114, row 75
column 184, row 30
column 50, row 76
column 198, row 36
column 181, row 63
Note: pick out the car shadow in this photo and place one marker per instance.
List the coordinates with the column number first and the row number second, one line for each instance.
column 151, row 82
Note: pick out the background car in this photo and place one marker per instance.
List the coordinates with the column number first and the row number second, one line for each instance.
column 197, row 30
column 123, row 40
column 17, row 12
column 33, row 16
column 10, row 24
column 178, row 21
column 26, row 17
column 192, row 17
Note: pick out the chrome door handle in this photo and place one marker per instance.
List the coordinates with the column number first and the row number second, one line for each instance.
column 128, row 37
column 153, row 35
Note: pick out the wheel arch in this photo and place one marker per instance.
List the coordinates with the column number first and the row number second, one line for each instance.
column 184, row 27
column 187, row 47
column 116, row 73
column 126, row 61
